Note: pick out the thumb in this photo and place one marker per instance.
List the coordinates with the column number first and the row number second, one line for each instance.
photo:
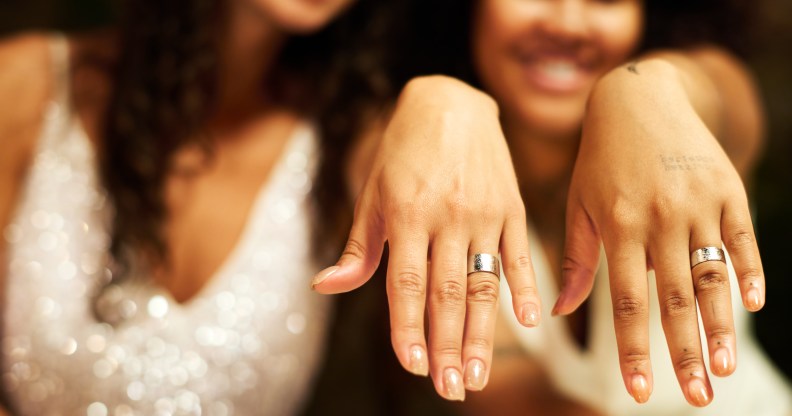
column 581, row 258
column 361, row 255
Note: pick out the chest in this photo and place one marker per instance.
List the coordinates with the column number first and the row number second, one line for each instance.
column 249, row 339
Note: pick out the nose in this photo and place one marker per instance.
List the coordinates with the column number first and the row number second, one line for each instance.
column 567, row 19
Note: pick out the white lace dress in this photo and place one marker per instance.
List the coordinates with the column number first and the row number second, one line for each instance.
column 248, row 343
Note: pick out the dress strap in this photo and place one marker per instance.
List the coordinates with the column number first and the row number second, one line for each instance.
column 59, row 59
column 58, row 113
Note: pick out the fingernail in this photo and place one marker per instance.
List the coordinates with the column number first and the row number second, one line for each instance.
column 557, row 305
column 418, row 363
column 474, row 374
column 530, row 314
column 753, row 299
column 452, row 384
column 697, row 391
column 721, row 361
column 324, row 274
column 640, row 388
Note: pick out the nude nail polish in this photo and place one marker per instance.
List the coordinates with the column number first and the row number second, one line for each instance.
column 452, row 385
column 530, row 314
column 753, row 299
column 323, row 275
column 640, row 388
column 698, row 393
column 721, row 361
column 475, row 374
column 418, row 362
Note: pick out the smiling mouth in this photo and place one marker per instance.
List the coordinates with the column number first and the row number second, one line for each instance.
column 558, row 75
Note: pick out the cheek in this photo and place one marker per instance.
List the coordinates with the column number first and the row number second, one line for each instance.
column 495, row 28
column 620, row 35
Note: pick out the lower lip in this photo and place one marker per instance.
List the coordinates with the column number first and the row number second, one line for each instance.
column 556, row 85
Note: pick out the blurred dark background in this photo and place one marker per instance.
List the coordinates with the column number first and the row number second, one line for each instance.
column 771, row 61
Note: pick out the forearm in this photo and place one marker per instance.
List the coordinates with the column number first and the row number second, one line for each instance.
column 706, row 84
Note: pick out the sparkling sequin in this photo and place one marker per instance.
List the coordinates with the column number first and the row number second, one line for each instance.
column 250, row 343
column 157, row 306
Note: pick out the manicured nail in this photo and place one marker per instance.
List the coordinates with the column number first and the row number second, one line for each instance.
column 557, row 305
column 640, row 388
column 753, row 299
column 530, row 314
column 324, row 274
column 697, row 391
column 452, row 384
column 418, row 362
column 474, row 374
column 721, row 361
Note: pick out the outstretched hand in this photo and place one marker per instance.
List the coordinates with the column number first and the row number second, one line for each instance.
column 441, row 189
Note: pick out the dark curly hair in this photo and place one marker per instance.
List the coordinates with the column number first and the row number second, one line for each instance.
column 439, row 41
column 164, row 87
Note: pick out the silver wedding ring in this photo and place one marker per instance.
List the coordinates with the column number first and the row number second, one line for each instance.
column 706, row 254
column 481, row 262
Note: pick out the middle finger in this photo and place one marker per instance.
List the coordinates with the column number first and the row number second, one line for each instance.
column 447, row 296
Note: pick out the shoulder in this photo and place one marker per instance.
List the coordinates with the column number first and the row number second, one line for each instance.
column 25, row 81
column 744, row 119
column 25, row 85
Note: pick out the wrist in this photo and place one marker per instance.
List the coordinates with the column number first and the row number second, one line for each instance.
column 447, row 92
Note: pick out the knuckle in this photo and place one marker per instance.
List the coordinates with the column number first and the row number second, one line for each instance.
column 483, row 289
column 687, row 360
column 676, row 304
column 405, row 210
column 740, row 239
column 354, row 248
column 527, row 291
column 520, row 263
column 479, row 342
column 750, row 273
column 634, row 357
column 712, row 281
column 409, row 282
column 449, row 292
column 407, row 329
column 720, row 332
column 623, row 217
column 628, row 308
column 571, row 264
column 448, row 349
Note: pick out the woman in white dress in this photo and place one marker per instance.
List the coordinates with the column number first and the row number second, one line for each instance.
column 160, row 187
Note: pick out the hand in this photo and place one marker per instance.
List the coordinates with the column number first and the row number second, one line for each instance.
column 442, row 187
column 653, row 184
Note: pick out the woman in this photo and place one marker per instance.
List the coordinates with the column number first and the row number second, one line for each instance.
column 655, row 175
column 157, row 217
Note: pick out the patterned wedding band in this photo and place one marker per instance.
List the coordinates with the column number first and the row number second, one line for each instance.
column 481, row 262
column 706, row 254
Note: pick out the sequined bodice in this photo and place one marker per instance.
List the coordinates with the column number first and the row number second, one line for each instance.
column 247, row 344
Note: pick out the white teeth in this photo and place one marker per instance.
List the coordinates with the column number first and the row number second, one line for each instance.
column 563, row 70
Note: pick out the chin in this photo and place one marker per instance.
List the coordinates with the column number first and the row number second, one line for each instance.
column 553, row 118
column 300, row 16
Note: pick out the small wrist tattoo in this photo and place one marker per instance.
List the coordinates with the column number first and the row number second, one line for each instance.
column 686, row 162
column 633, row 67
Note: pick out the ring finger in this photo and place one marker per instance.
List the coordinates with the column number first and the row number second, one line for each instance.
column 711, row 282
column 679, row 315
column 482, row 310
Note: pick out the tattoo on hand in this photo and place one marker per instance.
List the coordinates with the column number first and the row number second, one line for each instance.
column 686, row 162
column 633, row 67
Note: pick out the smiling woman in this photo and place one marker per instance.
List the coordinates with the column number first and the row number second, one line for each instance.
column 610, row 140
